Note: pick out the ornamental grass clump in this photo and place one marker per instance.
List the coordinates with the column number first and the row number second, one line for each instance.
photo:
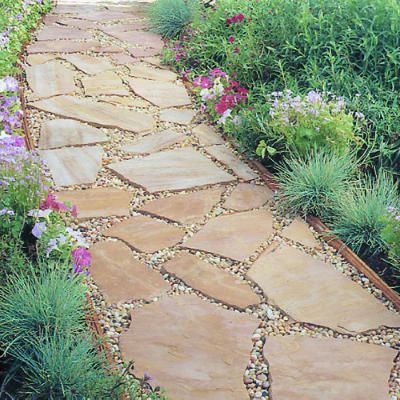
column 391, row 236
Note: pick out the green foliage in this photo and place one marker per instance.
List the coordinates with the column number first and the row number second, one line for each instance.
column 312, row 184
column 391, row 236
column 170, row 17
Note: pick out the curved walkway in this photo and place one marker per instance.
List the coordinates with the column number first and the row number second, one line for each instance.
column 197, row 276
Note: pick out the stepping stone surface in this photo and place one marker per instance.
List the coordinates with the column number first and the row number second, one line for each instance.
column 61, row 32
column 142, row 70
column 146, row 234
column 35, row 59
column 98, row 113
column 88, row 64
column 177, row 116
column 141, row 52
column 142, row 38
column 312, row 291
column 123, row 59
column 247, row 196
column 194, row 349
column 127, row 101
column 132, row 26
column 328, row 368
column 236, row 236
column 104, row 83
column 207, row 135
column 121, row 277
column 212, row 281
column 161, row 94
column 187, row 208
column 98, row 202
column 73, row 166
column 300, row 232
column 176, row 170
column 61, row 46
column 57, row 133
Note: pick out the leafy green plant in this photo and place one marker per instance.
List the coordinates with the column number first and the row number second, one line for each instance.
column 391, row 236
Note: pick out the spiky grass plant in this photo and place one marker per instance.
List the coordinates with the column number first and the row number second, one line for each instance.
column 311, row 184
column 170, row 17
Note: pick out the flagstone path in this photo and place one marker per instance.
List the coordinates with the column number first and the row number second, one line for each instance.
column 197, row 276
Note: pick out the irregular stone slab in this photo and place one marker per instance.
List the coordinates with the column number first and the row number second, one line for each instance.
column 35, row 59
column 153, row 143
column 102, row 16
column 247, row 196
column 97, row 113
column 88, row 64
column 194, row 349
column 73, row 166
column 98, row 202
column 76, row 23
column 300, row 232
column 161, row 94
column 50, row 79
column 207, row 135
column 156, row 61
column 228, row 158
column 312, row 291
column 121, row 277
column 212, row 281
column 146, row 234
column 57, row 133
column 177, row 169
column 123, row 59
column 104, row 83
column 107, row 49
column 132, row 26
column 143, row 70
column 61, row 46
column 236, row 236
column 177, row 116
column 141, row 38
column 307, row 368
column 127, row 101
column 61, row 32
column 142, row 52
column 187, row 208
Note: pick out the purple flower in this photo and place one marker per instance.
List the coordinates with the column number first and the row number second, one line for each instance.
column 147, row 377
column 39, row 229
column 6, row 211
column 82, row 258
column 18, row 17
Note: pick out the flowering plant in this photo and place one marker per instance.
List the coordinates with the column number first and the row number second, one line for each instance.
column 391, row 235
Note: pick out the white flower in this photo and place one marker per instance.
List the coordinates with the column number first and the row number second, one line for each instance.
column 40, row 213
column 224, row 116
column 3, row 86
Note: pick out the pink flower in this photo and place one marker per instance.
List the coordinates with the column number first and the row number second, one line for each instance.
column 236, row 50
column 52, row 203
column 220, row 107
column 231, row 39
column 240, row 17
column 216, row 72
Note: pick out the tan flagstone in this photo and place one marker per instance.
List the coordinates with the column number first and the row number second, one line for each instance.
column 61, row 46
column 207, row 135
column 303, row 367
column 140, row 38
column 76, row 23
column 236, row 236
column 177, row 116
column 156, row 61
column 247, row 196
column 128, row 101
column 73, row 166
column 121, row 277
column 123, row 59
column 177, row 169
column 145, row 71
column 107, row 49
column 194, row 349
column 35, row 59
column 312, row 291
column 300, row 232
column 143, row 52
column 62, row 32
column 88, row 64
column 98, row 202
column 146, row 234
column 132, row 26
column 212, row 281
column 98, row 113
column 101, row 16
column 104, row 83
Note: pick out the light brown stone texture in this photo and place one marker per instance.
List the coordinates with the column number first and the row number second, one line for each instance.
column 141, row 38
column 60, row 46
column 247, row 196
column 212, row 281
column 121, row 277
column 128, row 101
column 186, row 208
column 88, row 64
column 73, row 166
column 61, row 32
column 327, row 368
column 132, row 26
column 300, row 232
column 177, row 169
column 312, row 291
column 145, row 71
column 104, row 83
column 76, row 23
column 98, row 202
column 103, row 16
column 207, row 135
column 194, row 349
column 161, row 94
column 140, row 52
column 152, row 143
column 98, row 113
column 50, row 79
column 236, row 236
column 35, row 59
column 228, row 158
column 177, row 116
column 146, row 234
column 57, row 133
column 123, row 59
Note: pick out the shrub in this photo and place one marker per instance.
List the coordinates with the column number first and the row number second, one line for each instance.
column 312, row 184
column 170, row 17
column 391, row 236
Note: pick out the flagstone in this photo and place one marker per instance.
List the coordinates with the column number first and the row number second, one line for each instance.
column 207, row 135
column 212, row 281
column 231, row 161
column 121, row 277
column 107, row 49
column 247, row 196
column 161, row 94
column 187, row 208
column 143, row 52
column 176, row 169
column 132, row 26
column 73, row 166
column 128, row 101
column 156, row 61
column 57, row 133
column 104, row 83
column 300, row 232
column 304, row 367
column 312, row 291
column 123, row 59
column 145, row 71
column 236, row 236
column 76, row 23
column 98, row 202
column 88, row 64
column 142, row 38
column 62, row 32
column 146, row 234
column 177, row 116
column 61, row 46
column 98, row 113
column 50, row 79
column 194, row 349
column 35, row 59
column 101, row 16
